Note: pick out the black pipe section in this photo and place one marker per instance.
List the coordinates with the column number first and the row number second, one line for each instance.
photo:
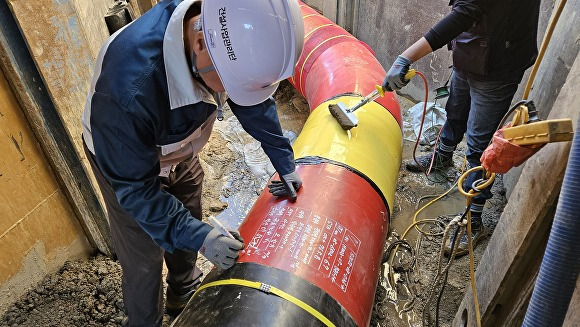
column 561, row 263
column 234, row 305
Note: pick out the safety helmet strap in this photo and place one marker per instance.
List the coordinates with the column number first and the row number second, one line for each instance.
column 196, row 72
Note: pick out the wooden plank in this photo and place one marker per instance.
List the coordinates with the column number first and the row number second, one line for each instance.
column 38, row 230
column 145, row 5
column 62, row 56
column 141, row 6
column 91, row 23
column 515, row 317
column 135, row 5
column 64, row 38
column 330, row 10
column 27, row 85
column 515, row 249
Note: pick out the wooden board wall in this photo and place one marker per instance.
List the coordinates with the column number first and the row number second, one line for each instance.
column 63, row 38
column 38, row 229
column 91, row 24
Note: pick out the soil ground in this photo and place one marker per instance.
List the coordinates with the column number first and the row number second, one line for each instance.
column 88, row 292
column 404, row 304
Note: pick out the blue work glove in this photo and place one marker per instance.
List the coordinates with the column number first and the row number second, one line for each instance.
column 221, row 250
column 286, row 186
column 395, row 78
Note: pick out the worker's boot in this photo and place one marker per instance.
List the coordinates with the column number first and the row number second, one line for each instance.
column 176, row 303
column 443, row 160
column 478, row 233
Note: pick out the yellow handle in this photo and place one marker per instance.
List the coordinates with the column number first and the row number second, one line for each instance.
column 380, row 90
column 410, row 74
column 521, row 116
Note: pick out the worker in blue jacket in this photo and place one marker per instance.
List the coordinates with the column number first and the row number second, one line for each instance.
column 158, row 87
column 493, row 43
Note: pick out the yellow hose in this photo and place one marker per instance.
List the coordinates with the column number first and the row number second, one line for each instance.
column 416, row 222
column 469, row 197
column 543, row 48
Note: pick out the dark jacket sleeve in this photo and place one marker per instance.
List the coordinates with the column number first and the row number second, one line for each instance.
column 261, row 122
column 459, row 20
column 127, row 156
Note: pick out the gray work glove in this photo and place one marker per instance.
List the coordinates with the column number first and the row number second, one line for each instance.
column 395, row 78
column 286, row 186
column 221, row 250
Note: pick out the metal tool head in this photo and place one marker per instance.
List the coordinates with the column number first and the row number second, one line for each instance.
column 343, row 115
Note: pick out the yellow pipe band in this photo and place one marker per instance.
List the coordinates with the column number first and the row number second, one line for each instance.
column 373, row 148
column 270, row 290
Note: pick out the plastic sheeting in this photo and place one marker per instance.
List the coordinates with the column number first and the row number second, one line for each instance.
column 502, row 155
column 434, row 119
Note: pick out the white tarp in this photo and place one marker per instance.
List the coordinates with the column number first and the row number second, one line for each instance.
column 434, row 120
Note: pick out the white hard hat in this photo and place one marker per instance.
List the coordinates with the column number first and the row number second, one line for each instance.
column 253, row 44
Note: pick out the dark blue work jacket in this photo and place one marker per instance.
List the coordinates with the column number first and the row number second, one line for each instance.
column 145, row 112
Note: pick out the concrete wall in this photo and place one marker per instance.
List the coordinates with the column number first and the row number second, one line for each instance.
column 555, row 67
column 507, row 270
column 573, row 314
column 38, row 229
column 558, row 59
column 390, row 26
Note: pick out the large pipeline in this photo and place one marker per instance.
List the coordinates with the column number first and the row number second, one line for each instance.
column 316, row 261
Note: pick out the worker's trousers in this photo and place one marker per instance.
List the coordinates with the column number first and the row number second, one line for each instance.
column 475, row 108
column 141, row 258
